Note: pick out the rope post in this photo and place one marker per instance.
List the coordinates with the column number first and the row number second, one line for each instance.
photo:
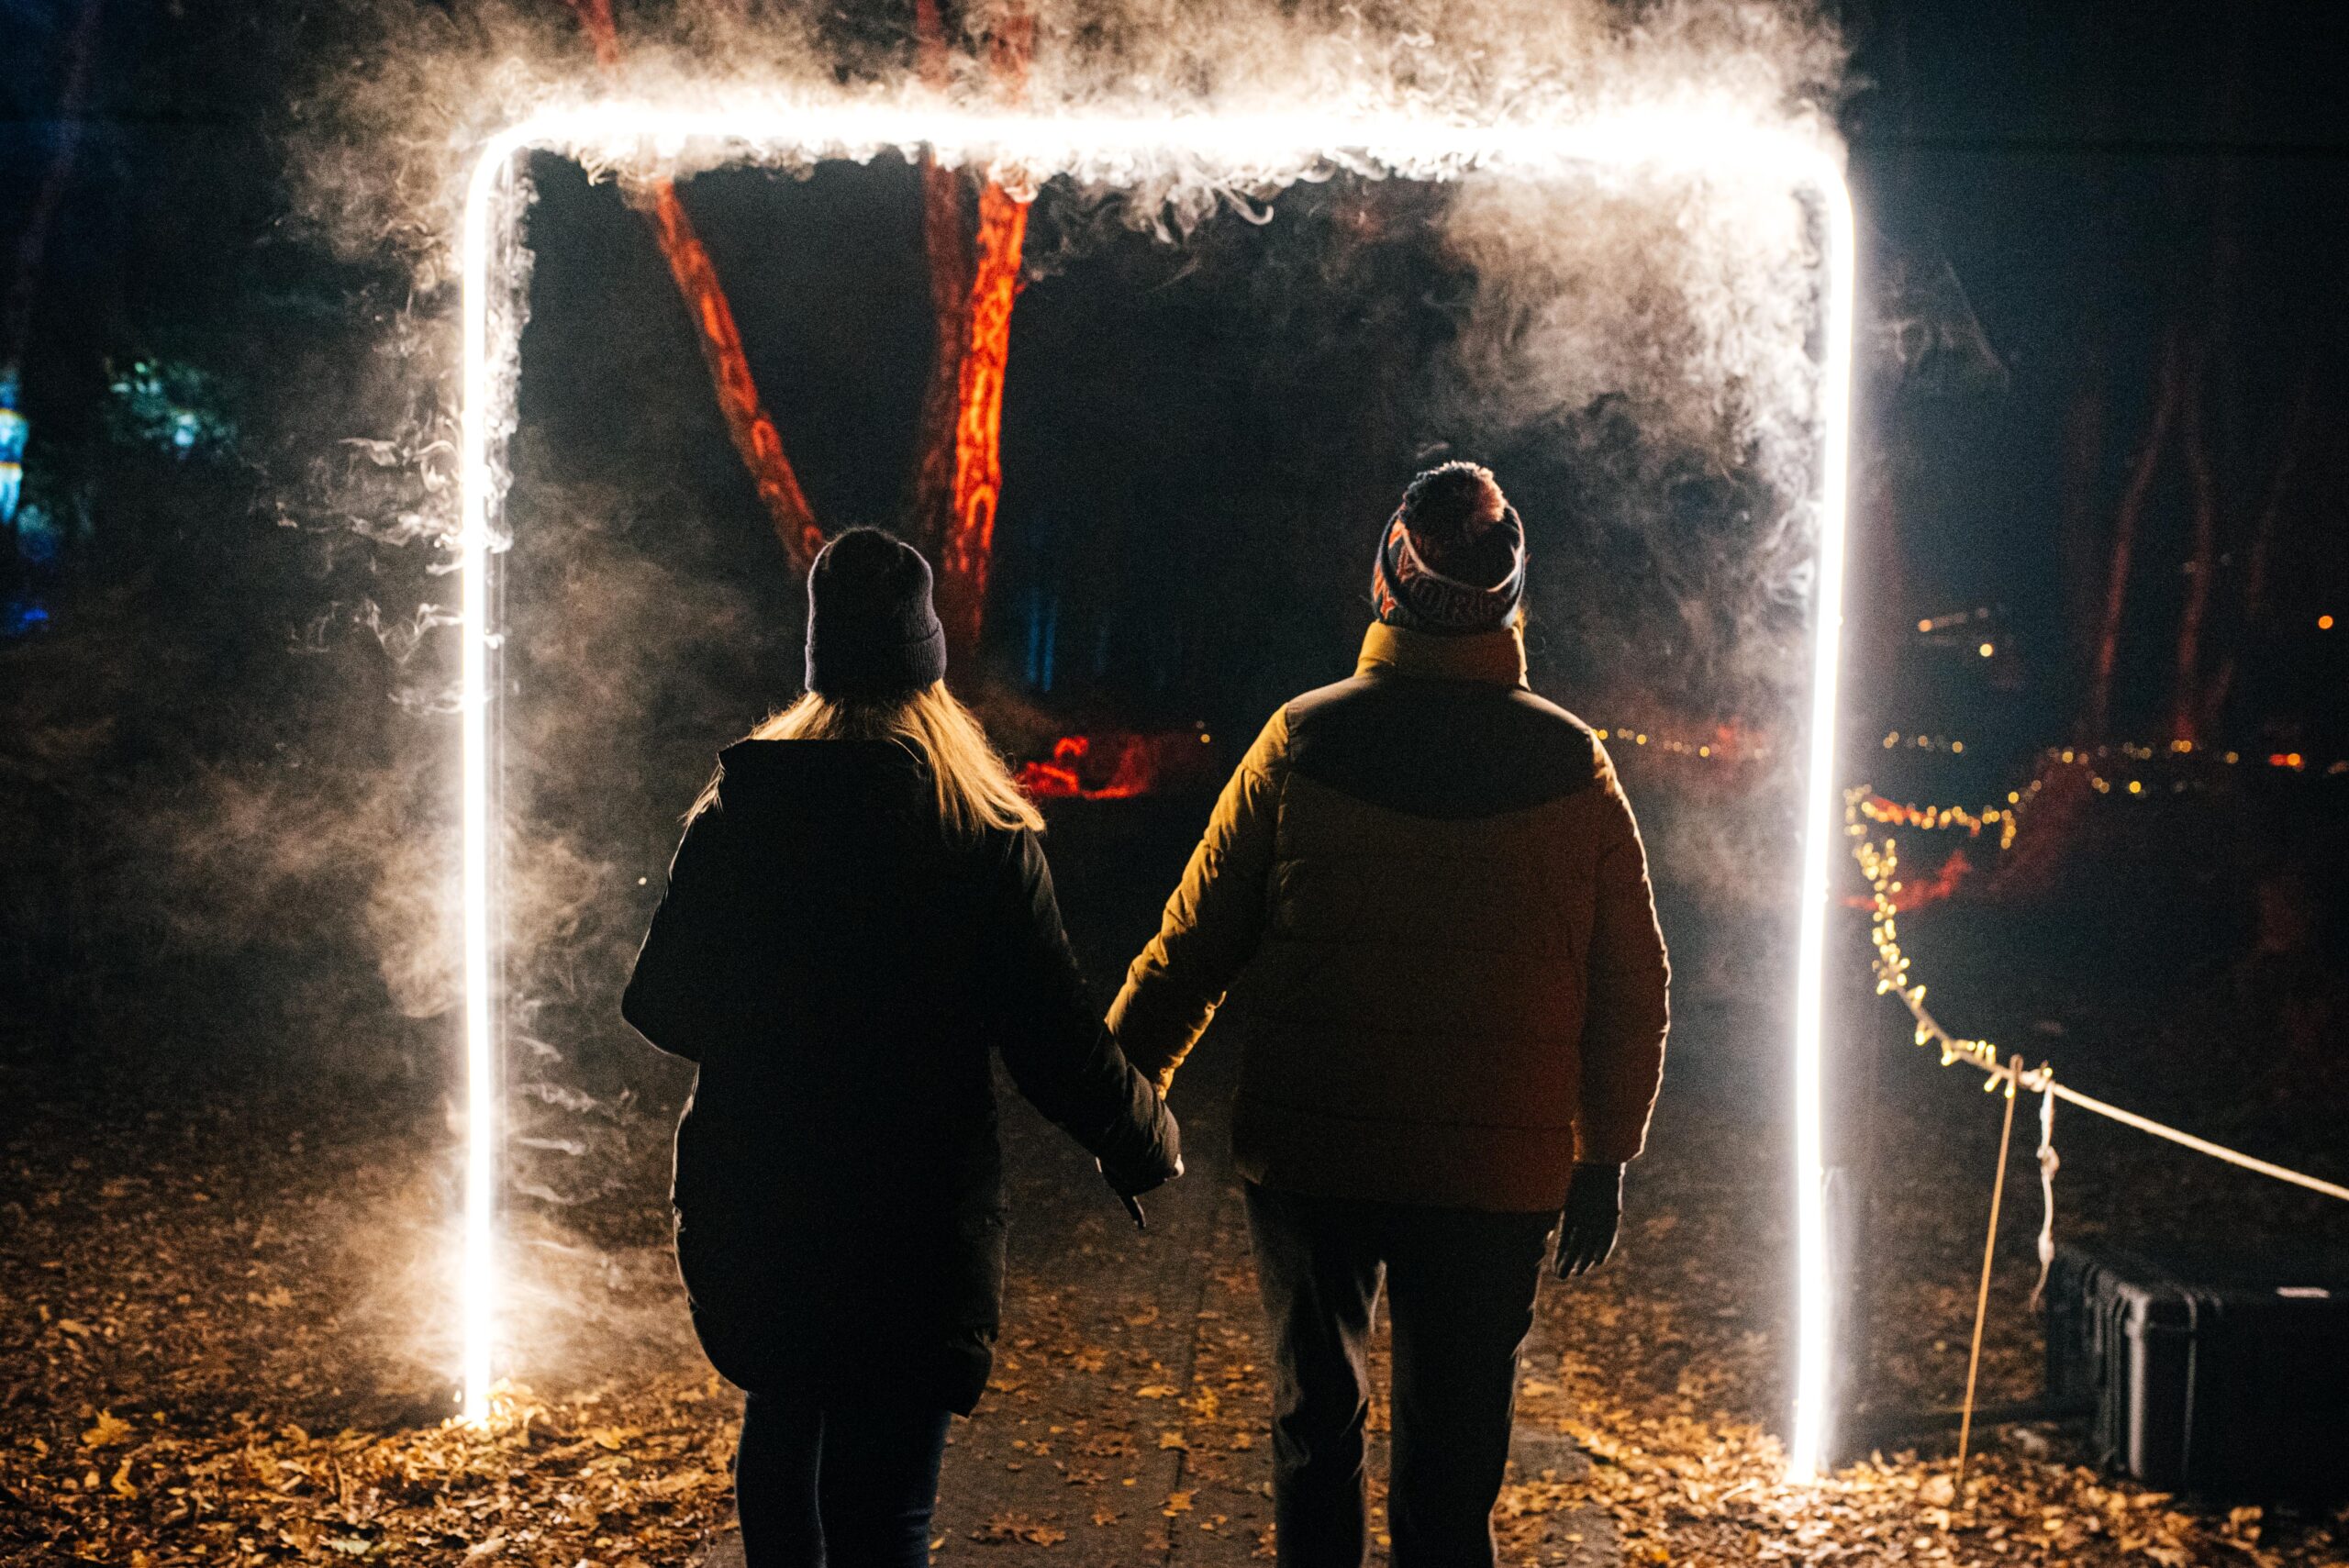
column 1982, row 1297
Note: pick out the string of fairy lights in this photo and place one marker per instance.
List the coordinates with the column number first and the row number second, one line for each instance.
column 2132, row 768
column 1879, row 862
column 1866, row 819
column 1727, row 744
column 1933, row 819
column 2126, row 768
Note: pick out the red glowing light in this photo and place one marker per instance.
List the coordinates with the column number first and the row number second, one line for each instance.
column 1063, row 778
column 1120, row 765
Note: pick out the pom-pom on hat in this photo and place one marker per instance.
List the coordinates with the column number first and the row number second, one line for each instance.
column 872, row 631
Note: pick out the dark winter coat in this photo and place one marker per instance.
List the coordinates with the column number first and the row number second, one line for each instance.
column 1460, row 985
column 842, row 973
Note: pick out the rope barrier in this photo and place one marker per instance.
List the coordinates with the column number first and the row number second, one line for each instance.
column 1879, row 862
column 2202, row 1145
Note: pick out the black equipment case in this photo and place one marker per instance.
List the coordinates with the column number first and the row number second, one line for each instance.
column 2226, row 1375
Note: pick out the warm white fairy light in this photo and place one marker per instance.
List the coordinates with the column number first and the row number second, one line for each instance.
column 1239, row 149
column 1879, row 862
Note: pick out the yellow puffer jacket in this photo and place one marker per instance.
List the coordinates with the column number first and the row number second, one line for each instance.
column 1440, row 894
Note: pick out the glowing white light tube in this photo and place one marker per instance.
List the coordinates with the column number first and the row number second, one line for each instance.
column 1112, row 148
column 477, row 1270
column 1815, row 1305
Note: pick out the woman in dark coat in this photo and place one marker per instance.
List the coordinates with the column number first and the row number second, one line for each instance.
column 859, row 916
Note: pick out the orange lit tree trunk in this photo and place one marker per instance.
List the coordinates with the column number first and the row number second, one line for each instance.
column 959, row 478
column 930, row 500
column 969, row 545
column 746, row 419
column 2147, row 462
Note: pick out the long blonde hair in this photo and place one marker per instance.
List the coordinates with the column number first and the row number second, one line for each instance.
column 974, row 790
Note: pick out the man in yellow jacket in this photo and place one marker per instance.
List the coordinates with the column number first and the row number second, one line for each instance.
column 1459, row 1013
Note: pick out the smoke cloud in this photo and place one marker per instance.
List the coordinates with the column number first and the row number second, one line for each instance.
column 1638, row 356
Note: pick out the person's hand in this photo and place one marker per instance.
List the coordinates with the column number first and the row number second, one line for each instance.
column 1594, row 1212
column 1130, row 1194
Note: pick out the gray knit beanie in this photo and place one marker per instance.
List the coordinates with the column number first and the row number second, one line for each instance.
column 871, row 632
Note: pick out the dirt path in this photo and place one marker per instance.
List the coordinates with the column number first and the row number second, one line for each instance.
column 1127, row 1423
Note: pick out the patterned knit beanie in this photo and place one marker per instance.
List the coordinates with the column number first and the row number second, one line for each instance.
column 870, row 630
column 1453, row 558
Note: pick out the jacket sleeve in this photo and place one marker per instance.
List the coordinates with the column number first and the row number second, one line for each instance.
column 673, row 997
column 1052, row 1041
column 1212, row 923
column 1628, row 1011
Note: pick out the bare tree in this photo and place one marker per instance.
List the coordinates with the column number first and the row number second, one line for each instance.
column 974, row 279
column 32, row 241
column 958, row 471
column 748, row 422
column 930, row 501
column 2261, row 548
column 2202, row 488
column 2097, row 710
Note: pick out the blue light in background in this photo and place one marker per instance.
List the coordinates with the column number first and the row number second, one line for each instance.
column 14, row 429
column 177, row 406
column 1043, row 635
column 39, row 539
column 22, row 617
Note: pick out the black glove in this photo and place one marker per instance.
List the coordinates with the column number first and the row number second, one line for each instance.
column 1594, row 1212
column 1129, row 1170
column 1128, row 1192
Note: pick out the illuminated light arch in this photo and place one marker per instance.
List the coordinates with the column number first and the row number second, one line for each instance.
column 1101, row 148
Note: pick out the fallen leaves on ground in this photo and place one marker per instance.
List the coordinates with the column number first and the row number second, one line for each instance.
column 1005, row 1529
column 166, row 1372
column 1658, row 1371
column 534, row 1484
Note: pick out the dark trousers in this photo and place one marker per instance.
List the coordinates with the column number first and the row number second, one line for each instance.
column 1460, row 1288
column 836, row 1488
